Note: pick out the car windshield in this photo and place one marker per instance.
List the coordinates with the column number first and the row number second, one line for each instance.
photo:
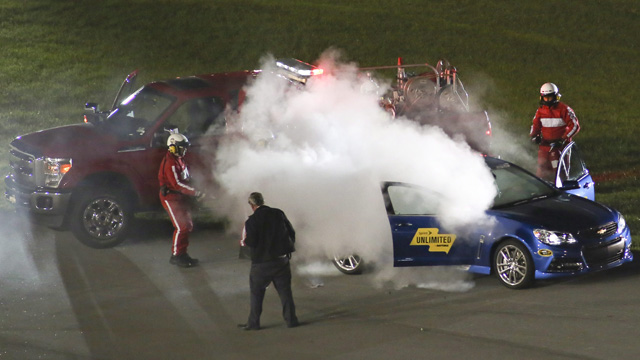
column 137, row 113
column 515, row 186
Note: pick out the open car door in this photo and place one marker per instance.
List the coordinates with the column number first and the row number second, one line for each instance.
column 125, row 88
column 572, row 175
column 92, row 112
column 418, row 237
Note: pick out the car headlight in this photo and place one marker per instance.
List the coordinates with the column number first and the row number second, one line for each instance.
column 622, row 224
column 54, row 170
column 554, row 237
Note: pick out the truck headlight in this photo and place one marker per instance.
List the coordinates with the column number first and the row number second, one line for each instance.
column 554, row 237
column 54, row 170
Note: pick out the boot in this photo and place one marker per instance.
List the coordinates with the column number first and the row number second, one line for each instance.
column 183, row 260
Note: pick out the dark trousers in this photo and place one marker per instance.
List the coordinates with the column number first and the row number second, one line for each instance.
column 261, row 275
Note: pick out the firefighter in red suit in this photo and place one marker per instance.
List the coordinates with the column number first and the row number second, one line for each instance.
column 176, row 196
column 554, row 125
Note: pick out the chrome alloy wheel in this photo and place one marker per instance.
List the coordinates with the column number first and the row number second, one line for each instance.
column 103, row 218
column 512, row 265
column 351, row 264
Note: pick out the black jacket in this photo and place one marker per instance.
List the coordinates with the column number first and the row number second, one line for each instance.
column 270, row 235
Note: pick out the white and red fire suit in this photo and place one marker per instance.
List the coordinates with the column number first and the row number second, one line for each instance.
column 553, row 124
column 175, row 195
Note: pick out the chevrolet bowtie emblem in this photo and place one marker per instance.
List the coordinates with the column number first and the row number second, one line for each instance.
column 601, row 231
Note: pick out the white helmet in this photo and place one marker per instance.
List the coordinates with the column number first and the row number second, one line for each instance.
column 177, row 144
column 549, row 89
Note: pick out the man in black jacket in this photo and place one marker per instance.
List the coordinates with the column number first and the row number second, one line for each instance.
column 271, row 238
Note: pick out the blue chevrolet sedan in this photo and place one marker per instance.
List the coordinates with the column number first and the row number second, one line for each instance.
column 539, row 231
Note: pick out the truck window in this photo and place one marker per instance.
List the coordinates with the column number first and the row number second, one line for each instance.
column 199, row 116
column 137, row 113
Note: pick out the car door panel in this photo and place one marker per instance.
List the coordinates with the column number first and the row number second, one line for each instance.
column 418, row 236
column 572, row 170
column 422, row 240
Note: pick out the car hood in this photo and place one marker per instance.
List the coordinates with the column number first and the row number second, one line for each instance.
column 63, row 141
column 563, row 212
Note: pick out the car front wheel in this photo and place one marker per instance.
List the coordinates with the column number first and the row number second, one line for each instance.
column 513, row 265
column 350, row 264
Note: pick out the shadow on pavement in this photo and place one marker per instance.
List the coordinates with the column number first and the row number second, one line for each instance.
column 120, row 312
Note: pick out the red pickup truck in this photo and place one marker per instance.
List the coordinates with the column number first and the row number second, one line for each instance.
column 93, row 176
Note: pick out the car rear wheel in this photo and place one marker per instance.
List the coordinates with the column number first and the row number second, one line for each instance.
column 101, row 218
column 351, row 264
column 513, row 265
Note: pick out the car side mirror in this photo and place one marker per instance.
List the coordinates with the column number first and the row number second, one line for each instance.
column 569, row 185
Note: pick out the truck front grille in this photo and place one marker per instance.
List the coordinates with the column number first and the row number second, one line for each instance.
column 22, row 167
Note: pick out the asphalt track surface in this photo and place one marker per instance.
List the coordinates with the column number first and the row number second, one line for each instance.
column 62, row 300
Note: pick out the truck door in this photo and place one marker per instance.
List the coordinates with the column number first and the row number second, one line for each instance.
column 418, row 236
column 572, row 175
column 202, row 121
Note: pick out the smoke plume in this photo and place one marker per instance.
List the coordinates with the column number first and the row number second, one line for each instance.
column 320, row 151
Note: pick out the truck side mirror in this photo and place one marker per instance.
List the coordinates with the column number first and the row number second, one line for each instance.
column 91, row 108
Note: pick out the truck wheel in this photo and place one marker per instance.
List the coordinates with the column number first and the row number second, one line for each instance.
column 101, row 218
column 350, row 265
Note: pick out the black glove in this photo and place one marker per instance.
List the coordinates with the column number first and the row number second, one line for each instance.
column 537, row 139
column 557, row 145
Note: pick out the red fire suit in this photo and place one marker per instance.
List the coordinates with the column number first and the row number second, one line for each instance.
column 554, row 124
column 175, row 193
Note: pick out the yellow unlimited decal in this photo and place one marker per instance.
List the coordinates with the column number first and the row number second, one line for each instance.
column 437, row 242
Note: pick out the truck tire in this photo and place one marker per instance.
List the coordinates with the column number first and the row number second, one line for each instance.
column 101, row 218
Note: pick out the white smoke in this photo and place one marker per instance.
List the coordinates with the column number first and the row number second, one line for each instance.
column 445, row 278
column 19, row 269
column 330, row 145
column 508, row 142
